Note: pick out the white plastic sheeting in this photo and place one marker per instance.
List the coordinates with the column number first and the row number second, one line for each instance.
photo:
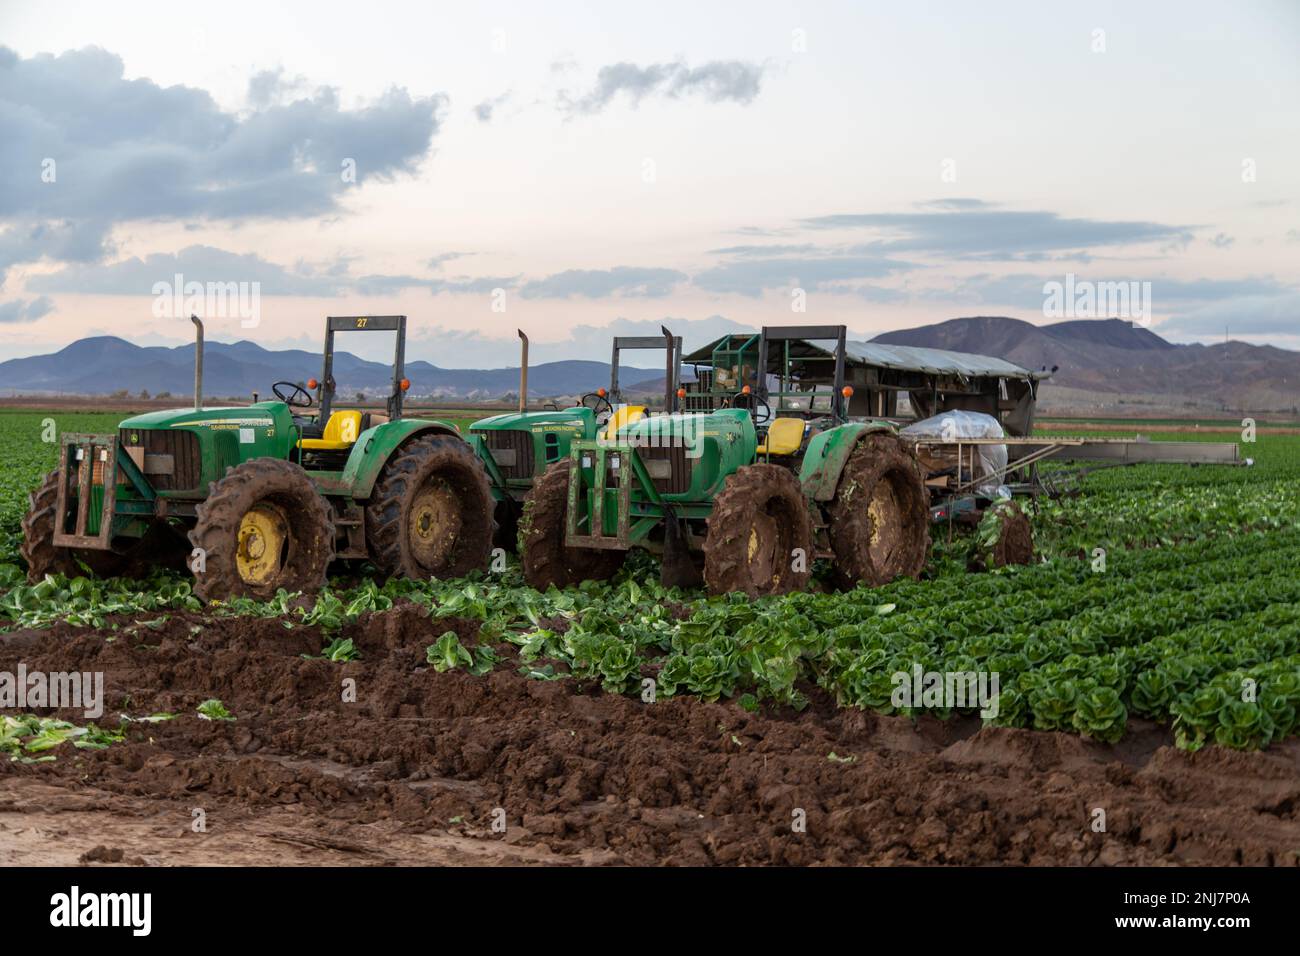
column 955, row 425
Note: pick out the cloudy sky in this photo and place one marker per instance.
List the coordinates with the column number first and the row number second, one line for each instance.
column 577, row 168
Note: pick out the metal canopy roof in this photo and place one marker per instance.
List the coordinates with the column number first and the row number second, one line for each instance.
column 913, row 358
column 907, row 358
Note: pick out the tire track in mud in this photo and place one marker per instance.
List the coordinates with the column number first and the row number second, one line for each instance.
column 582, row 776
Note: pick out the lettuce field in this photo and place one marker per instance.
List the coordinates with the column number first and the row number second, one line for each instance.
column 1164, row 590
column 1163, row 609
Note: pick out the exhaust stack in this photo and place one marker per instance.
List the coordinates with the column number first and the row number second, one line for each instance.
column 198, row 362
column 523, row 372
column 670, row 388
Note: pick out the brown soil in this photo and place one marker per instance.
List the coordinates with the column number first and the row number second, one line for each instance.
column 413, row 771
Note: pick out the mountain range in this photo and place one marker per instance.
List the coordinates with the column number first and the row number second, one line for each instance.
column 106, row 364
column 1098, row 362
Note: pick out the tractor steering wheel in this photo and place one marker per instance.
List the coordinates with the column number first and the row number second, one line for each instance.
column 291, row 398
column 752, row 403
column 598, row 400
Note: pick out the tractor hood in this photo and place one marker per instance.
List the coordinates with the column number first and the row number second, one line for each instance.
column 578, row 418
column 730, row 426
column 264, row 415
column 181, row 451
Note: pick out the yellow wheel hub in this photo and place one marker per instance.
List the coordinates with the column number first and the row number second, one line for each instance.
column 885, row 511
column 263, row 533
column 434, row 524
column 761, row 552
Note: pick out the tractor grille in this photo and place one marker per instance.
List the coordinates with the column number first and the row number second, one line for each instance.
column 512, row 451
column 678, row 477
column 172, row 459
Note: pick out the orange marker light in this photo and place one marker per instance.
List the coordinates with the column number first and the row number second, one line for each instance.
column 745, row 390
column 405, row 383
column 312, row 383
column 600, row 392
column 681, row 393
column 847, row 391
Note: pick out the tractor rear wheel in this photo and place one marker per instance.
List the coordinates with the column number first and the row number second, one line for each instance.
column 541, row 537
column 37, row 546
column 759, row 522
column 263, row 527
column 430, row 514
column 879, row 523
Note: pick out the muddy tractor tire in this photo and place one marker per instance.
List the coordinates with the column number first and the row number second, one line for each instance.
column 430, row 513
column 759, row 521
column 37, row 547
column 262, row 527
column 1010, row 541
column 546, row 560
column 879, row 520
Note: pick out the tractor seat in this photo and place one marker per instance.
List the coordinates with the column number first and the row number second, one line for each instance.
column 308, row 427
column 623, row 415
column 784, row 436
column 341, row 432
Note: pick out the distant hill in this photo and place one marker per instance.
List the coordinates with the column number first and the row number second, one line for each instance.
column 106, row 364
column 1114, row 357
column 1101, row 362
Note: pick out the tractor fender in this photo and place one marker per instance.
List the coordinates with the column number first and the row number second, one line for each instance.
column 827, row 452
column 376, row 445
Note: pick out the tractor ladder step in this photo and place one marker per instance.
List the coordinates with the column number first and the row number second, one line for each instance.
column 352, row 522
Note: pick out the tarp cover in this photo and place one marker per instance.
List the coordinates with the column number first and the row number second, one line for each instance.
column 957, row 424
column 908, row 358
column 914, row 358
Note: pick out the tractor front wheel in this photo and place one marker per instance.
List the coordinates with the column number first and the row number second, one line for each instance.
column 430, row 514
column 263, row 527
column 880, row 520
column 760, row 537
column 37, row 547
column 546, row 559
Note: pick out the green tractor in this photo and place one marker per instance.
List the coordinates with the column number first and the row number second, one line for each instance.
column 736, row 497
column 265, row 496
column 518, row 446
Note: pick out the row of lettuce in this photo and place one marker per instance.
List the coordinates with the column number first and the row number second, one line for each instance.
column 1190, row 618
column 1205, row 636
